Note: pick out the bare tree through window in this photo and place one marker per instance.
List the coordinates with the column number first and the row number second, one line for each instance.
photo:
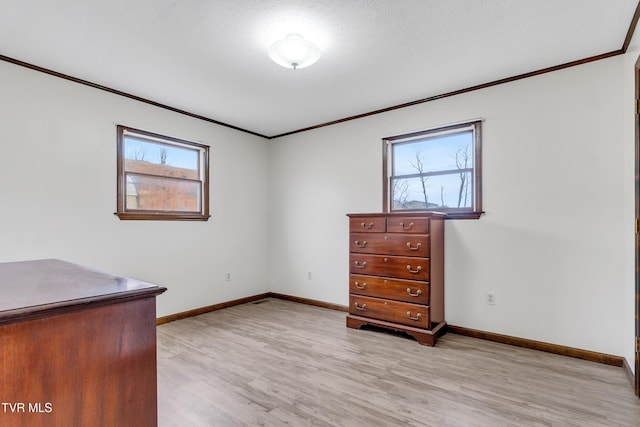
column 462, row 163
column 418, row 165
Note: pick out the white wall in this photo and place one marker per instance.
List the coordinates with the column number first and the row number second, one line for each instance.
column 58, row 193
column 555, row 244
column 552, row 242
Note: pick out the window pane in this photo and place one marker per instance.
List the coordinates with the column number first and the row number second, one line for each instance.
column 161, row 177
column 432, row 192
column 438, row 153
column 162, row 194
column 160, row 159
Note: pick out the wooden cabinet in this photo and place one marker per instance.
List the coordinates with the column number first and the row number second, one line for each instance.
column 396, row 266
column 77, row 347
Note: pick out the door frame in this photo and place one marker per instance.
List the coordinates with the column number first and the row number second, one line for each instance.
column 637, row 227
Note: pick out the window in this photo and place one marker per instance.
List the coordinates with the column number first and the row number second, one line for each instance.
column 435, row 170
column 161, row 178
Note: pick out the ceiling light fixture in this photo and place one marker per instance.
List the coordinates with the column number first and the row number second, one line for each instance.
column 294, row 52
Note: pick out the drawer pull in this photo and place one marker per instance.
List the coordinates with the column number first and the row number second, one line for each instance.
column 358, row 265
column 413, row 248
column 409, row 227
column 363, row 307
column 416, row 271
column 362, row 244
column 360, row 286
column 365, row 226
column 412, row 318
column 417, row 294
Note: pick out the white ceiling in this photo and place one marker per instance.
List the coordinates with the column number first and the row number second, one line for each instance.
column 209, row 57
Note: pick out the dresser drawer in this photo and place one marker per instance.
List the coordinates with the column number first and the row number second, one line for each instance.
column 395, row 289
column 415, row 225
column 390, row 266
column 391, row 244
column 392, row 311
column 367, row 224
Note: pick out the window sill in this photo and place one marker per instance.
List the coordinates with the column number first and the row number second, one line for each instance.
column 463, row 215
column 449, row 214
column 147, row 216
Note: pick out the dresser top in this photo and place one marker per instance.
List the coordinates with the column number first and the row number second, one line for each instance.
column 37, row 287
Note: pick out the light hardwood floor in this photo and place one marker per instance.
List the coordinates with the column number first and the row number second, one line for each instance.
column 276, row 363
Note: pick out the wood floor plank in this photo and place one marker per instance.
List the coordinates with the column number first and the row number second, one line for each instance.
column 281, row 363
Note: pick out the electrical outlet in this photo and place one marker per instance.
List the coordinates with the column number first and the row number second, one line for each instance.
column 309, row 276
column 228, row 277
column 491, row 298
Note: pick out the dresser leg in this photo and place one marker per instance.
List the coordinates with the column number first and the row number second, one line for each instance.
column 422, row 338
column 429, row 338
column 354, row 323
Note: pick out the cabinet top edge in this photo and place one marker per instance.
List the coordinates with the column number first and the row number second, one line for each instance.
column 44, row 285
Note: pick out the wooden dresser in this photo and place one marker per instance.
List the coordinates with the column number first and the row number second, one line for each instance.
column 77, row 347
column 396, row 266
